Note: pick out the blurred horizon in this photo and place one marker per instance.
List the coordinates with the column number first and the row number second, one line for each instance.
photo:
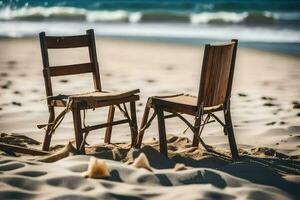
column 253, row 22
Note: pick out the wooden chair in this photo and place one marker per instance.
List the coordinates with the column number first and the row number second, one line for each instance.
column 214, row 95
column 111, row 99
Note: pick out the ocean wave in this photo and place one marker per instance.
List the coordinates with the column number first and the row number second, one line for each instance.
column 175, row 31
column 253, row 18
column 61, row 13
column 157, row 16
column 160, row 16
column 208, row 17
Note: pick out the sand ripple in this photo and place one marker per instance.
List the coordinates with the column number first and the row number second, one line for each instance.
column 63, row 180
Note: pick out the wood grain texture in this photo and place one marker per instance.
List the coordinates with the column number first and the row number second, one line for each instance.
column 67, row 42
column 70, row 69
column 215, row 74
column 110, row 119
column 163, row 148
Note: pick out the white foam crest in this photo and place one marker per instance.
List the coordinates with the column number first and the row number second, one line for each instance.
column 92, row 16
column 205, row 17
column 243, row 33
column 7, row 13
column 135, row 17
column 98, row 16
column 119, row 15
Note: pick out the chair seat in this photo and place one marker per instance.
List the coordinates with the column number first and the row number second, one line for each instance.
column 183, row 103
column 103, row 98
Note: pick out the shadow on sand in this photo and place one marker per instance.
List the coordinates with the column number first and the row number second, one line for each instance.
column 265, row 171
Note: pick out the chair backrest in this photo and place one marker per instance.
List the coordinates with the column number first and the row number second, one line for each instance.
column 217, row 74
column 61, row 42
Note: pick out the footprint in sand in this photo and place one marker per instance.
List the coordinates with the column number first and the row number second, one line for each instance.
column 270, row 104
column 270, row 123
column 16, row 103
column 242, row 95
column 11, row 64
column 17, row 92
column 150, row 81
column 64, row 81
column 34, row 91
column 268, row 98
column 265, row 83
column 4, row 74
column 108, row 74
column 6, row 85
column 296, row 104
column 170, row 68
column 22, row 75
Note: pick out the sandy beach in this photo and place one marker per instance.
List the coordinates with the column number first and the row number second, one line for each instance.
column 265, row 109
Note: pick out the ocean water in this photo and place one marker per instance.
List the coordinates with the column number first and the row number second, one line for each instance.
column 266, row 24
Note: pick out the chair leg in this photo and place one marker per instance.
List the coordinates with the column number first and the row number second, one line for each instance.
column 110, row 118
column 197, row 128
column 144, row 121
column 134, row 127
column 162, row 132
column 78, row 130
column 230, row 132
column 47, row 138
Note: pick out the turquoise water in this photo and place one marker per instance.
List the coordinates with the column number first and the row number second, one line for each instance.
column 251, row 12
column 256, row 23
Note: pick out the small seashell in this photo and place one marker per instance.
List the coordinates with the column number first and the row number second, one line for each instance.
column 142, row 162
column 179, row 167
column 97, row 169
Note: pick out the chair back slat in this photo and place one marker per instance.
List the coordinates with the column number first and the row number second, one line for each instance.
column 70, row 69
column 67, row 42
column 53, row 42
column 217, row 74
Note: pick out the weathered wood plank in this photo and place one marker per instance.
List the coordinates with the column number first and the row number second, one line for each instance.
column 70, row 69
column 62, row 103
column 215, row 74
column 20, row 149
column 67, row 42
